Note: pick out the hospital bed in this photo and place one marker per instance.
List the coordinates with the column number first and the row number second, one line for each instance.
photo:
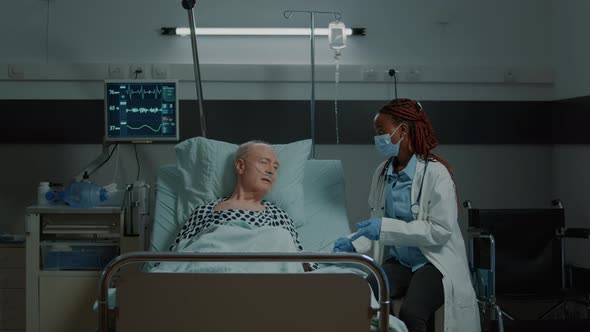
column 249, row 302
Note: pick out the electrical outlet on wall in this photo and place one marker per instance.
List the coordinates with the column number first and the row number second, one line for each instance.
column 414, row 75
column 16, row 71
column 509, row 76
column 369, row 74
column 117, row 71
column 159, row 71
column 388, row 74
column 138, row 71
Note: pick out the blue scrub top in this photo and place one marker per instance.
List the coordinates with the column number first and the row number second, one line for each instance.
column 398, row 200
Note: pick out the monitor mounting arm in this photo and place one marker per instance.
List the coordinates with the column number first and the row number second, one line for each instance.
column 95, row 164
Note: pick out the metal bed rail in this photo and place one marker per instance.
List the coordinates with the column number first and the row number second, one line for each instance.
column 146, row 256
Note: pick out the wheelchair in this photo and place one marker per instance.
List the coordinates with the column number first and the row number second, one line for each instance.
column 517, row 256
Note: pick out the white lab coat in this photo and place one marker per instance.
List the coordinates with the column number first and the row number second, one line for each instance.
column 436, row 233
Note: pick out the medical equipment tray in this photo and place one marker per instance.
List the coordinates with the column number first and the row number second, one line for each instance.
column 77, row 255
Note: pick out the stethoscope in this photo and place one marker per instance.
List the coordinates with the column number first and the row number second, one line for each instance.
column 415, row 207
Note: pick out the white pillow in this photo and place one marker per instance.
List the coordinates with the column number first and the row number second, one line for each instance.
column 207, row 171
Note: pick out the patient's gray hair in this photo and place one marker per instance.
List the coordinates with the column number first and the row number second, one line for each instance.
column 244, row 148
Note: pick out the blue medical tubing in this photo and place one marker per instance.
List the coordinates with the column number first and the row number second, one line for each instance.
column 147, row 256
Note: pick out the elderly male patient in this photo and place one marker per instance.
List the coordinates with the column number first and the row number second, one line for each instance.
column 256, row 167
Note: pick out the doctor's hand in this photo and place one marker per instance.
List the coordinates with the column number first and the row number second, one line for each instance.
column 343, row 244
column 371, row 229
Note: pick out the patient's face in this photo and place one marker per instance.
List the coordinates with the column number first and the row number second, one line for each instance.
column 258, row 171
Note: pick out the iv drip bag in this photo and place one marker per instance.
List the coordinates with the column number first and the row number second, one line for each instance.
column 337, row 35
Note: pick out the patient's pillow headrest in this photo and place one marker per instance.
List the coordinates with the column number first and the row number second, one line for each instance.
column 207, row 170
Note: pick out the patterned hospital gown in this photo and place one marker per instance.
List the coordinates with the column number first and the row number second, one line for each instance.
column 204, row 217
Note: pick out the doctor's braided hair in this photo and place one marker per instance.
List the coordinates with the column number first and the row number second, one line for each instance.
column 421, row 131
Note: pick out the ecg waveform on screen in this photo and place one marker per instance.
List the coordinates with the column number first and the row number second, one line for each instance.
column 142, row 92
column 144, row 110
column 131, row 91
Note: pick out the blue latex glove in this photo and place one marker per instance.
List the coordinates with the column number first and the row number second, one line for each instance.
column 343, row 244
column 371, row 229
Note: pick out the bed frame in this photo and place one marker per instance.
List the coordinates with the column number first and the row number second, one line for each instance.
column 242, row 302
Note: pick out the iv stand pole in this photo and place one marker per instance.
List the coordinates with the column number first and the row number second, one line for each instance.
column 287, row 14
column 188, row 5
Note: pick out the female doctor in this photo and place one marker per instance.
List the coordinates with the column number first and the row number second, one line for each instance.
column 413, row 230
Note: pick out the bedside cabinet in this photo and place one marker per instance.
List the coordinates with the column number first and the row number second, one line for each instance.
column 66, row 249
column 12, row 288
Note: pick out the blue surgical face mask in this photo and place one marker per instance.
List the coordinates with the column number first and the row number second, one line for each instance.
column 385, row 147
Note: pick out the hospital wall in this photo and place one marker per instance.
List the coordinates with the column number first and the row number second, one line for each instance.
column 462, row 48
column 571, row 179
column 570, row 49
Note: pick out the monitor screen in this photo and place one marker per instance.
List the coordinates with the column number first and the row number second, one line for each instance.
column 141, row 111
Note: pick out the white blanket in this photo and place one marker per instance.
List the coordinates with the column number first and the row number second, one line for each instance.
column 236, row 236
